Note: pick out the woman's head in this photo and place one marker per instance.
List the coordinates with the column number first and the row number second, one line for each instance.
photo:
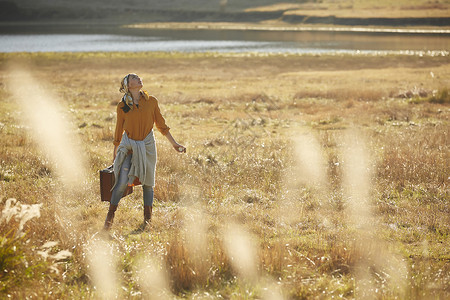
column 130, row 82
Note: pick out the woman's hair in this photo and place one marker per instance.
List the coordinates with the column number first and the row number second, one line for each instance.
column 124, row 84
column 124, row 89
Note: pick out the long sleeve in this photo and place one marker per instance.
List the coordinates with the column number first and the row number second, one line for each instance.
column 119, row 125
column 160, row 122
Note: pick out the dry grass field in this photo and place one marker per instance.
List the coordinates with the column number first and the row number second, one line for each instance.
column 306, row 176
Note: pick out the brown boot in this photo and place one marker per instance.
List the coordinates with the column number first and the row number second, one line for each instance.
column 110, row 217
column 147, row 216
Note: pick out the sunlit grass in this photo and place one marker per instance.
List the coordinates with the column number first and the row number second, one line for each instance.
column 239, row 117
column 363, row 8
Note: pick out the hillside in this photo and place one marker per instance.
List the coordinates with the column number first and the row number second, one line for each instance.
column 345, row 12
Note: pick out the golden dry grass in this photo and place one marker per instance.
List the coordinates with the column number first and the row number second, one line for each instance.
column 239, row 116
column 363, row 8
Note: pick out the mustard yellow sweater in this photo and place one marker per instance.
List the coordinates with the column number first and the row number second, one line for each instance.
column 138, row 122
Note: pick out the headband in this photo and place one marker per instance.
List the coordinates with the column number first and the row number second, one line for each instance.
column 127, row 99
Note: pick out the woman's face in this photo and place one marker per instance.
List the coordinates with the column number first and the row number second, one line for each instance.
column 134, row 82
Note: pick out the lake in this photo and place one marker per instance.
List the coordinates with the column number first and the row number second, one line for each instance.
column 67, row 39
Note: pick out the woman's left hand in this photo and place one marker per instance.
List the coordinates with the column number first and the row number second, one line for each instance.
column 179, row 148
column 176, row 146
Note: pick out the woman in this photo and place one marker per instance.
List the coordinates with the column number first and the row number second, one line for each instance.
column 134, row 145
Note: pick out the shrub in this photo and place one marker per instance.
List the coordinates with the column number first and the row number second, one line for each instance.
column 440, row 96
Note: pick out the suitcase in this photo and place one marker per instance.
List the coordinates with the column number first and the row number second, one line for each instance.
column 107, row 182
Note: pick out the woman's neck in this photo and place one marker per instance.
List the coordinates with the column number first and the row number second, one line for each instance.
column 136, row 94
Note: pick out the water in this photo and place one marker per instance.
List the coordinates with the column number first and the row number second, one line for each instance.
column 167, row 40
column 107, row 42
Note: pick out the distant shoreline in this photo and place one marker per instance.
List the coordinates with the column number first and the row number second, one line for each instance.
column 286, row 27
column 107, row 25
